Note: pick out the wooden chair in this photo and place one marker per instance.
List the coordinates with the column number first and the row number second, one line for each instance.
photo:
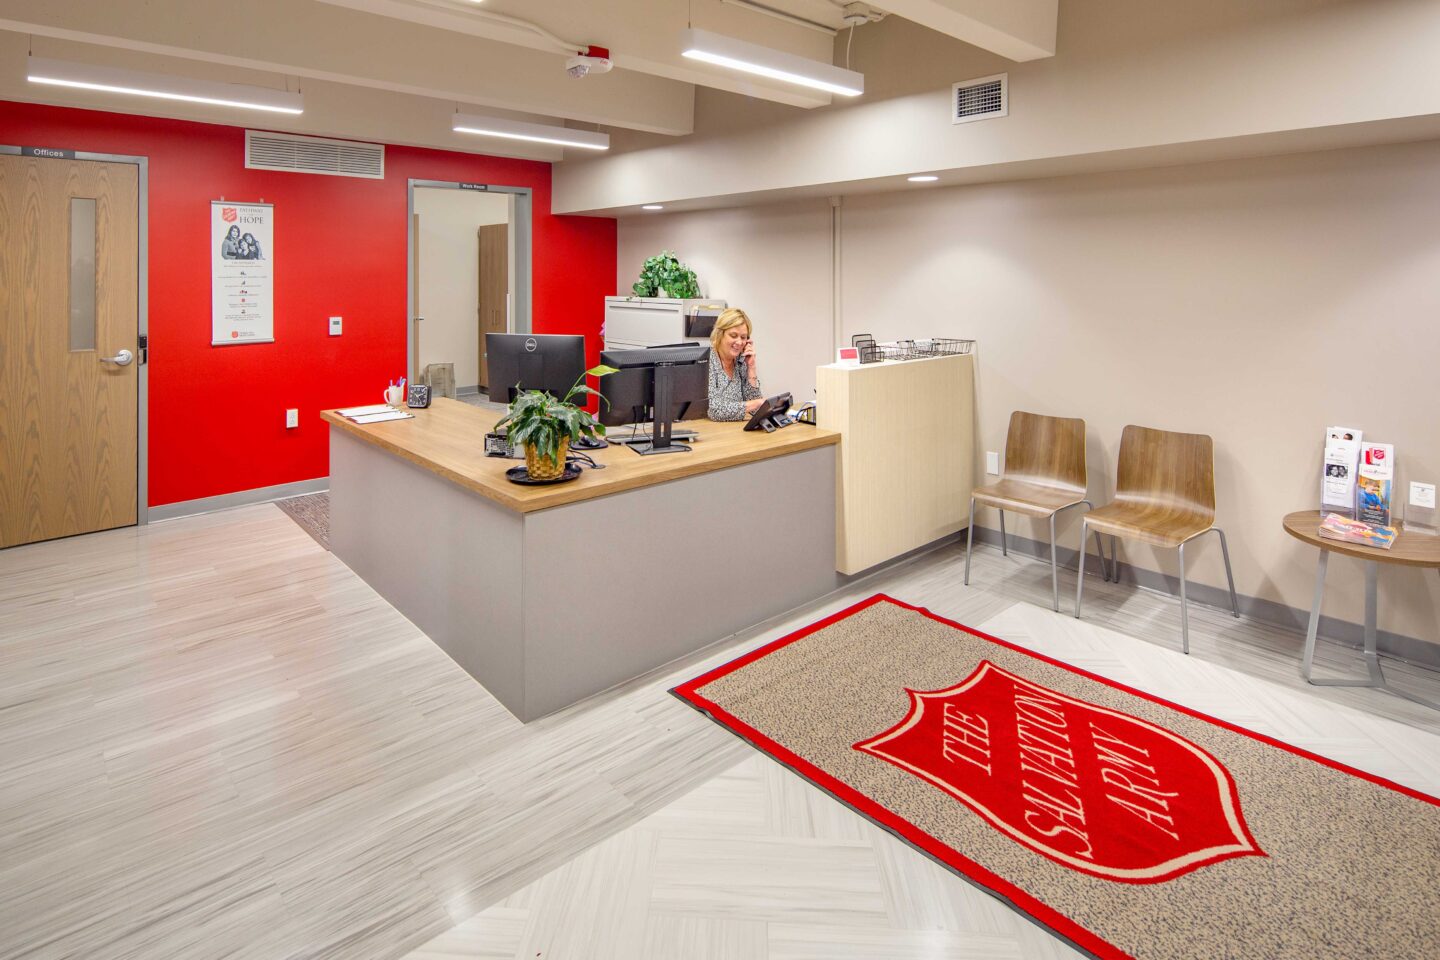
column 1164, row 496
column 1044, row 474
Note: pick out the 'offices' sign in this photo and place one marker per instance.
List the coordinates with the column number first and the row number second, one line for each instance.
column 49, row 153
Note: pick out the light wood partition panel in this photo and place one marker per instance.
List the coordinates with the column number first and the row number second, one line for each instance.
column 907, row 458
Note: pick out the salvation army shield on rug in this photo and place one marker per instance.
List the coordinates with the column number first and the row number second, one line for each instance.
column 1131, row 826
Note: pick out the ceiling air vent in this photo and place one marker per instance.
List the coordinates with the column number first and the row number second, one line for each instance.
column 980, row 99
column 336, row 158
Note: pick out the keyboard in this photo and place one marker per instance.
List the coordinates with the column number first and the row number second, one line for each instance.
column 622, row 435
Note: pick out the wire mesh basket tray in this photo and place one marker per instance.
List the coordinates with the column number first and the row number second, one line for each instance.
column 872, row 352
column 944, row 347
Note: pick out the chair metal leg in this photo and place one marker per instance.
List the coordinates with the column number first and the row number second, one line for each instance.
column 1055, row 566
column 1080, row 578
column 1184, row 607
column 1225, row 552
column 1004, row 540
column 969, row 541
column 1099, row 548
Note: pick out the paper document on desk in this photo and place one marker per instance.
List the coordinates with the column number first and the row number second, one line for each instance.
column 366, row 410
column 382, row 417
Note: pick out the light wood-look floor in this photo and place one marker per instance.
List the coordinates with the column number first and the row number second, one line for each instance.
column 217, row 741
column 756, row 864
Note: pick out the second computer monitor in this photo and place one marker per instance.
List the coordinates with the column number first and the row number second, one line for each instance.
column 531, row 361
column 629, row 393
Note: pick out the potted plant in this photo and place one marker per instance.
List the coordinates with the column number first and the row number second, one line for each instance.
column 663, row 275
column 545, row 426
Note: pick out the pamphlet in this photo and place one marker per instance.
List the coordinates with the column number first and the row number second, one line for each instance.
column 383, row 417
column 1374, row 486
column 1336, row 527
column 1342, row 457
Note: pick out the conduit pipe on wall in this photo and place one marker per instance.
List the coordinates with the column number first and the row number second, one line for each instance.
column 565, row 46
column 837, row 322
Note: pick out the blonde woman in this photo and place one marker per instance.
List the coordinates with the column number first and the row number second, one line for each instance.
column 734, row 378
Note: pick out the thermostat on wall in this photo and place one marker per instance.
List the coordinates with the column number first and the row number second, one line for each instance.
column 335, row 326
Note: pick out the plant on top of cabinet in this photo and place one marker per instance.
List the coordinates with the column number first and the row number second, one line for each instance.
column 663, row 275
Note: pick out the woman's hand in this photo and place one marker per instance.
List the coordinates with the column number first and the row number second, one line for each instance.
column 749, row 354
column 752, row 405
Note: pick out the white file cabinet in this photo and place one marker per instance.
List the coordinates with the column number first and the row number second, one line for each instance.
column 633, row 322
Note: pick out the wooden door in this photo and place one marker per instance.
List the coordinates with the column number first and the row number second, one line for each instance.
column 68, row 299
column 494, row 288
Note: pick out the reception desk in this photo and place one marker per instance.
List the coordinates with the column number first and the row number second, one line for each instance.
column 549, row 594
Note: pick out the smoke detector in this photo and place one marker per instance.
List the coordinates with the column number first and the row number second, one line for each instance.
column 859, row 13
column 593, row 60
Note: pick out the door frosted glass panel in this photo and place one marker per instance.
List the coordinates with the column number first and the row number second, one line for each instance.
column 82, row 273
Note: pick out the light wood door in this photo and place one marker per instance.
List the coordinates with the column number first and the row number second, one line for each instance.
column 68, row 428
column 494, row 287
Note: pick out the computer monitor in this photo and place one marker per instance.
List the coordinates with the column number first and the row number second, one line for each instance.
column 532, row 361
column 661, row 384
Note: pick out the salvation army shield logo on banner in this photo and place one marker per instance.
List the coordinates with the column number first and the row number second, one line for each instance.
column 1097, row 790
column 228, row 214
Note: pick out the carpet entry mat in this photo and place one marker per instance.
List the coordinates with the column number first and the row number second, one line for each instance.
column 1128, row 825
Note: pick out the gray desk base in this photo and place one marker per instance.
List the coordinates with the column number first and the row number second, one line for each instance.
column 515, row 599
column 1376, row 676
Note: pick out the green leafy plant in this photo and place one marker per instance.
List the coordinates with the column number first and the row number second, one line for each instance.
column 664, row 274
column 536, row 419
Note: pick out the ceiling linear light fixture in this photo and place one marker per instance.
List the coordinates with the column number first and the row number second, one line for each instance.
column 87, row 76
column 532, row 132
column 749, row 57
column 923, row 178
column 652, row 206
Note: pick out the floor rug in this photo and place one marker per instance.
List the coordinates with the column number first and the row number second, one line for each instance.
column 1130, row 826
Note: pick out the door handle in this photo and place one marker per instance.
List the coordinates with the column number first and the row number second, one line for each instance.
column 121, row 359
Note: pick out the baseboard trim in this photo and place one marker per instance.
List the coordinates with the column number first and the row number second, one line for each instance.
column 467, row 391
column 241, row 498
column 1396, row 645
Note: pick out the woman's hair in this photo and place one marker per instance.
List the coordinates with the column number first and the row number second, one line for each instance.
column 233, row 233
column 734, row 317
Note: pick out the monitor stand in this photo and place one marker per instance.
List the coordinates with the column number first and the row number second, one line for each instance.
column 664, row 415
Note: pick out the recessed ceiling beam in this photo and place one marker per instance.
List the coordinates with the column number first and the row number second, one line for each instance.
column 1017, row 29
column 303, row 40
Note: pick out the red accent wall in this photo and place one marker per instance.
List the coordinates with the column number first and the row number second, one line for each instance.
column 217, row 414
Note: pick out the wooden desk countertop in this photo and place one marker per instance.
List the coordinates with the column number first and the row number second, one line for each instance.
column 1409, row 549
column 448, row 439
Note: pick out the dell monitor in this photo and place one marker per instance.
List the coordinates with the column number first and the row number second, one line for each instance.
column 530, row 361
column 661, row 384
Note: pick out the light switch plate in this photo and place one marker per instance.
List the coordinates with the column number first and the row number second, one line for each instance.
column 992, row 462
column 335, row 326
column 1422, row 495
column 292, row 419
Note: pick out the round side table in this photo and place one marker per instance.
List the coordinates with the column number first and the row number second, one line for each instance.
column 1409, row 549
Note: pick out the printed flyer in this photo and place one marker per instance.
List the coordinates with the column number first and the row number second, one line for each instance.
column 1342, row 457
column 242, row 306
column 1375, row 483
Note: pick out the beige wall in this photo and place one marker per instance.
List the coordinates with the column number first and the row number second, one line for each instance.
column 450, row 275
column 1258, row 301
column 775, row 265
column 1133, row 83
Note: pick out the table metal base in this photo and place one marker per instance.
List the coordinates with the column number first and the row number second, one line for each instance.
column 1376, row 678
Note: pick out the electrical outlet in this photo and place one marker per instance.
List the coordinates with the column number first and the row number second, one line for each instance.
column 992, row 462
column 1422, row 495
column 335, row 326
column 292, row 419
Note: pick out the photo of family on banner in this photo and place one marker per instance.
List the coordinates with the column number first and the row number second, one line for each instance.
column 238, row 246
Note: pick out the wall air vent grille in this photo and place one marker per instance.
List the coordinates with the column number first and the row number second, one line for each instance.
column 980, row 99
column 296, row 154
